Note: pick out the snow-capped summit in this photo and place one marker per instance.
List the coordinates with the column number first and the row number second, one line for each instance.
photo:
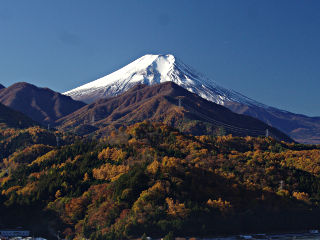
column 153, row 69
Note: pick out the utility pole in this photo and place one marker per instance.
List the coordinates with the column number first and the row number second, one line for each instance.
column 180, row 100
column 93, row 119
column 48, row 126
column 267, row 132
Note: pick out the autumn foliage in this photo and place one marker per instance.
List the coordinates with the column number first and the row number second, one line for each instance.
column 149, row 178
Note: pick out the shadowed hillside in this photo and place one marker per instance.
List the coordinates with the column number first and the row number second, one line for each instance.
column 41, row 104
column 12, row 118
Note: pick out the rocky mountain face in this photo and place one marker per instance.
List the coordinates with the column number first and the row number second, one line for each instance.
column 168, row 103
column 40, row 104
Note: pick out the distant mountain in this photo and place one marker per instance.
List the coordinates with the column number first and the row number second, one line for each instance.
column 41, row 104
column 12, row 118
column 154, row 69
column 301, row 128
column 160, row 103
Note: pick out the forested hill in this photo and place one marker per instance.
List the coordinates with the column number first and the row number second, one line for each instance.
column 149, row 178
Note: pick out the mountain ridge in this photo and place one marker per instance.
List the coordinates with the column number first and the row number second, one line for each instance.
column 41, row 104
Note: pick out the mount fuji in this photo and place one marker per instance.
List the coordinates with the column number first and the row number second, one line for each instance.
column 155, row 69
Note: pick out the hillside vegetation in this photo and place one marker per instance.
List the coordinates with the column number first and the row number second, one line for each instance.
column 150, row 178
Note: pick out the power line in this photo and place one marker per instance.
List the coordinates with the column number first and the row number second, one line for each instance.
column 228, row 126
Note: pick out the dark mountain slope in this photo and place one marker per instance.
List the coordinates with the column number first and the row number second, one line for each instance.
column 12, row 118
column 160, row 103
column 41, row 104
column 1, row 86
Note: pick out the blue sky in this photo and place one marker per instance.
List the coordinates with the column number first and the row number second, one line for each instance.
column 268, row 50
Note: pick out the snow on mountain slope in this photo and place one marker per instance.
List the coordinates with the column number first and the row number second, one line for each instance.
column 153, row 69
